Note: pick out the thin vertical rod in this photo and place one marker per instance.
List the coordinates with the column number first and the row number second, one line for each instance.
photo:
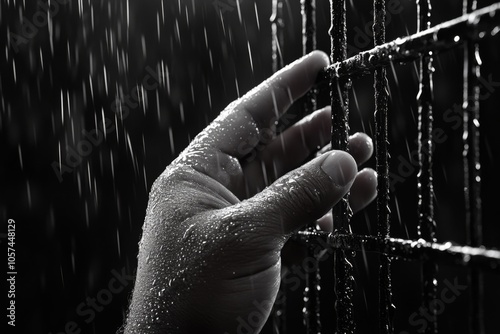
column 344, row 281
column 277, row 37
column 308, row 25
column 312, row 319
column 309, row 44
column 386, row 308
column 426, row 222
column 277, row 28
column 472, row 173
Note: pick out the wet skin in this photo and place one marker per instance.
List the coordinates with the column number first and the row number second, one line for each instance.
column 219, row 216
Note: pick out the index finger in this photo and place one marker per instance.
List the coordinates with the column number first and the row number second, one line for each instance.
column 238, row 129
column 272, row 98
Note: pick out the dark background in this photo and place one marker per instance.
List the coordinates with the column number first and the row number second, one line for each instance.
column 74, row 232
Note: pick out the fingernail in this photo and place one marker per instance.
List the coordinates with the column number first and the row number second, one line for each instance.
column 340, row 167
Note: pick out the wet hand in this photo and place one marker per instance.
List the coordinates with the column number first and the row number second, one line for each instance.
column 220, row 214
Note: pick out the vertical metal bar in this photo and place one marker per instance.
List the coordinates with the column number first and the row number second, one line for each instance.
column 311, row 311
column 344, row 281
column 277, row 28
column 386, row 308
column 426, row 222
column 309, row 44
column 472, row 173
column 308, row 25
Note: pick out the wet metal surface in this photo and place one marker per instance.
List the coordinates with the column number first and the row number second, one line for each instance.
column 463, row 256
column 343, row 271
column 465, row 30
column 425, row 187
column 308, row 10
column 474, row 26
column 277, row 27
column 386, row 309
column 311, row 310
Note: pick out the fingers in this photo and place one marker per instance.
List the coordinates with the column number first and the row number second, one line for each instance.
column 363, row 189
column 360, row 147
column 305, row 194
column 325, row 223
column 289, row 151
column 298, row 142
column 250, row 120
column 303, row 138
column 271, row 99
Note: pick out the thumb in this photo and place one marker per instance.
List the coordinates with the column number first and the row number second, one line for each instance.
column 304, row 194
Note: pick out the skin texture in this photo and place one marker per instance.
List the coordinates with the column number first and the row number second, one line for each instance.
column 218, row 218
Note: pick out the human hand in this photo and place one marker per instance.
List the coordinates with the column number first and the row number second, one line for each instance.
column 213, row 233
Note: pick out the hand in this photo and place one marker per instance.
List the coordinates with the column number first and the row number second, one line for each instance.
column 213, row 233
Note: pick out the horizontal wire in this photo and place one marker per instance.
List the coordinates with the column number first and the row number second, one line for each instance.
column 447, row 35
column 476, row 257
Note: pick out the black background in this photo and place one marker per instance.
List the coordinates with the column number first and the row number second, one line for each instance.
column 72, row 235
